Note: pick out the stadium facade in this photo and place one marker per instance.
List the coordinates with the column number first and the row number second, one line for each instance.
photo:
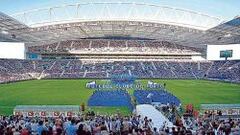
column 99, row 37
column 124, row 45
column 97, row 20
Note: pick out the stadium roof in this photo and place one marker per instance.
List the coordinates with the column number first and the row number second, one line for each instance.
column 116, row 11
column 8, row 24
column 75, row 21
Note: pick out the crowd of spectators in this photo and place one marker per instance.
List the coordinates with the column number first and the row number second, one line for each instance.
column 115, row 46
column 210, row 124
column 92, row 124
column 16, row 70
column 82, row 125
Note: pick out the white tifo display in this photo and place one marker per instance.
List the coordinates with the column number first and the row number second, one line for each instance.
column 12, row 50
column 213, row 51
column 158, row 119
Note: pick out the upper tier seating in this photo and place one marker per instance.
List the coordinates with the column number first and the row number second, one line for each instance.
column 115, row 46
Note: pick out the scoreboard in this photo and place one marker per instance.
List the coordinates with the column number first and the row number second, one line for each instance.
column 226, row 53
column 223, row 52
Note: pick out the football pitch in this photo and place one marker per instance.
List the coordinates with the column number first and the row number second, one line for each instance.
column 74, row 92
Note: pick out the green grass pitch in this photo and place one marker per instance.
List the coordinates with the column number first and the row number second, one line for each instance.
column 73, row 92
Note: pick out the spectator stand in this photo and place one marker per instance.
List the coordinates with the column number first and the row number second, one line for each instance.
column 221, row 111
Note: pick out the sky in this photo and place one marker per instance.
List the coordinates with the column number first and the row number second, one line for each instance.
column 224, row 9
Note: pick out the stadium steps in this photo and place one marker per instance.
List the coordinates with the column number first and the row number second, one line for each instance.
column 223, row 65
column 142, row 65
column 155, row 68
column 71, row 44
column 62, row 73
column 235, row 65
column 194, row 75
column 58, row 45
column 41, row 74
column 81, row 66
column 4, row 68
column 209, row 69
column 182, row 66
column 90, row 44
column 174, row 74
column 108, row 44
column 188, row 69
column 129, row 72
column 85, row 73
column 151, row 72
column 52, row 65
column 68, row 63
column 227, row 65
column 34, row 65
column 47, row 47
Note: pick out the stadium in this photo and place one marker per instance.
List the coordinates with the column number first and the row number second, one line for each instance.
column 119, row 68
